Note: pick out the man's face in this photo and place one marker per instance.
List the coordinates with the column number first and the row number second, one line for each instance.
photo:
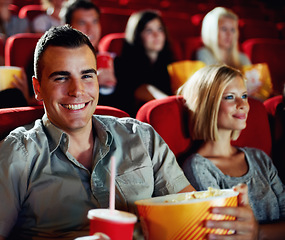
column 88, row 22
column 68, row 87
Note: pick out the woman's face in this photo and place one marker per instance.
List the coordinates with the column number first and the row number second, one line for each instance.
column 228, row 32
column 153, row 36
column 57, row 3
column 234, row 106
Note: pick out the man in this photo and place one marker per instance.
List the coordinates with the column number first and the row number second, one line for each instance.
column 55, row 170
column 84, row 16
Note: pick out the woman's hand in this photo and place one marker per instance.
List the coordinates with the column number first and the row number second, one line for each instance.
column 22, row 84
column 245, row 226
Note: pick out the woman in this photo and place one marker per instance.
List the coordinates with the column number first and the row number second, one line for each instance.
column 217, row 100
column 220, row 37
column 51, row 18
column 141, row 70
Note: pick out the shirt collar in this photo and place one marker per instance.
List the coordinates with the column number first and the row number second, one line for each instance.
column 57, row 137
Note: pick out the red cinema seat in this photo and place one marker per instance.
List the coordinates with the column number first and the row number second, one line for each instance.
column 169, row 117
column 114, row 20
column 253, row 28
column 19, row 49
column 112, row 42
column 271, row 104
column 11, row 118
column 190, row 46
column 272, row 52
column 2, row 48
column 31, row 11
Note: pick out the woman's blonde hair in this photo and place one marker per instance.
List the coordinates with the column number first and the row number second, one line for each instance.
column 210, row 32
column 203, row 93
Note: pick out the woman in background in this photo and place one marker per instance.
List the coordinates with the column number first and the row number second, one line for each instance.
column 220, row 38
column 50, row 18
column 10, row 23
column 141, row 70
column 216, row 97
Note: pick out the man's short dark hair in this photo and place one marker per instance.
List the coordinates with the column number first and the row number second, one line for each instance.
column 72, row 6
column 62, row 36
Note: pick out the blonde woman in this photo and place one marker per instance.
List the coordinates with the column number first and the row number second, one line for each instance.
column 50, row 18
column 220, row 38
column 216, row 97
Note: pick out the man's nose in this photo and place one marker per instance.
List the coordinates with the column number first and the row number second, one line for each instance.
column 76, row 88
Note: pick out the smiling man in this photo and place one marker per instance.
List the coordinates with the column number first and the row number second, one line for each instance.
column 56, row 169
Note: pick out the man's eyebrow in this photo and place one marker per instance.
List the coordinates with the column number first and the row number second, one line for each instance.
column 91, row 70
column 62, row 73
column 66, row 73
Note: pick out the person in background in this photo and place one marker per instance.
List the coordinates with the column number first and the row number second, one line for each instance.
column 141, row 69
column 55, row 170
column 278, row 137
column 84, row 16
column 49, row 19
column 216, row 97
column 220, row 38
column 10, row 24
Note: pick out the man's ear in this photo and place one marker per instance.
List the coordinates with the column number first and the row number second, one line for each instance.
column 37, row 89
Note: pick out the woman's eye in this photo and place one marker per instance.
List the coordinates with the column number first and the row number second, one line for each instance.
column 229, row 97
column 244, row 96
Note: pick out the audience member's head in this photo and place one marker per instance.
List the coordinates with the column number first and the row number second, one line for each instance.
column 203, row 93
column 58, row 37
column 52, row 3
column 84, row 16
column 220, row 32
column 4, row 11
column 147, row 32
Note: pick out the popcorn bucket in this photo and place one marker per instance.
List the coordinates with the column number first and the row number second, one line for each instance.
column 7, row 76
column 178, row 217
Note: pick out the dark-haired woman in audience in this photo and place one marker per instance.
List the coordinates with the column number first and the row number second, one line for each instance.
column 141, row 70
column 216, row 97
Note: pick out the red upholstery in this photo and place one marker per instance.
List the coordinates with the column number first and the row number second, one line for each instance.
column 1, row 47
column 14, row 9
column 21, row 3
column 179, row 25
column 31, row 11
column 250, row 12
column 253, row 28
column 114, row 20
column 271, row 51
column 19, row 49
column 271, row 104
column 11, row 118
column 191, row 45
column 169, row 118
column 281, row 29
column 112, row 42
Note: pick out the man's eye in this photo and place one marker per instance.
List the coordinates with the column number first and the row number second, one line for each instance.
column 87, row 76
column 60, row 78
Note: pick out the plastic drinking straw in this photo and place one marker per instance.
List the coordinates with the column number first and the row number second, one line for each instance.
column 112, row 185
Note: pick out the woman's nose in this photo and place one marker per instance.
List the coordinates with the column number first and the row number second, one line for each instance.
column 242, row 103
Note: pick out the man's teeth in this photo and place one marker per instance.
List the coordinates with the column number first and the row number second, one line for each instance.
column 74, row 107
